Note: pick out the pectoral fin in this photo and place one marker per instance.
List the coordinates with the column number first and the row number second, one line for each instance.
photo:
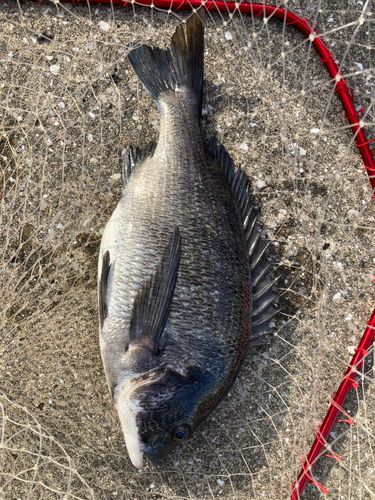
column 103, row 288
column 153, row 302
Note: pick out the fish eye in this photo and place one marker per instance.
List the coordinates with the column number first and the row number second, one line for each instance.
column 180, row 433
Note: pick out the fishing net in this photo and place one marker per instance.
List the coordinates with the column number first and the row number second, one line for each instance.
column 70, row 106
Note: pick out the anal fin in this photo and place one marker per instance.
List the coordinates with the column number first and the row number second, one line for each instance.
column 135, row 157
column 153, row 302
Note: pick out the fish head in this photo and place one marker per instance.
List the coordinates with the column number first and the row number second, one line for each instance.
column 160, row 444
column 157, row 412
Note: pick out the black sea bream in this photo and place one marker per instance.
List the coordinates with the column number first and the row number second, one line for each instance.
column 183, row 284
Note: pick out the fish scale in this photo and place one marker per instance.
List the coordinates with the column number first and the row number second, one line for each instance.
column 175, row 287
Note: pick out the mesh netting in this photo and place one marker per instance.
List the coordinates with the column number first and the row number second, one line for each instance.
column 71, row 105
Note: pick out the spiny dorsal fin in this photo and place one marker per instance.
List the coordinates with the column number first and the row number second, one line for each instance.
column 135, row 157
column 238, row 185
column 103, row 284
column 153, row 302
column 264, row 297
column 263, row 294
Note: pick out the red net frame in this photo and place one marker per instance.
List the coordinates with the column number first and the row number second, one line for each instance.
column 345, row 95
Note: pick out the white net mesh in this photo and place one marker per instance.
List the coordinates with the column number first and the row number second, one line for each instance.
column 71, row 105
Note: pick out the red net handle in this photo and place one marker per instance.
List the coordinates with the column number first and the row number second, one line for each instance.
column 335, row 408
column 351, row 115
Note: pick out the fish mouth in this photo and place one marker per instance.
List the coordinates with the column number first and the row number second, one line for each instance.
column 128, row 413
column 150, row 454
column 128, row 408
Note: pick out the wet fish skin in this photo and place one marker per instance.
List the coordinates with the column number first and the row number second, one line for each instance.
column 174, row 273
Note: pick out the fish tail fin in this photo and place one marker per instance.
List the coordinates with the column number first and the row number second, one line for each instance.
column 179, row 67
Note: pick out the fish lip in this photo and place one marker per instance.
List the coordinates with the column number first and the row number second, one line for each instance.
column 137, row 464
column 128, row 408
column 127, row 413
column 150, row 453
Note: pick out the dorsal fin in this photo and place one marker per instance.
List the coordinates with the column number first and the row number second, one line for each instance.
column 103, row 284
column 153, row 302
column 135, row 157
column 262, row 292
column 238, row 185
column 264, row 297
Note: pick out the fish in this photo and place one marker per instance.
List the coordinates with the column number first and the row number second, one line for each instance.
column 183, row 282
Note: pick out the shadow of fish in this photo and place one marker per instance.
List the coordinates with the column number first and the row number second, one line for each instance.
column 179, row 299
